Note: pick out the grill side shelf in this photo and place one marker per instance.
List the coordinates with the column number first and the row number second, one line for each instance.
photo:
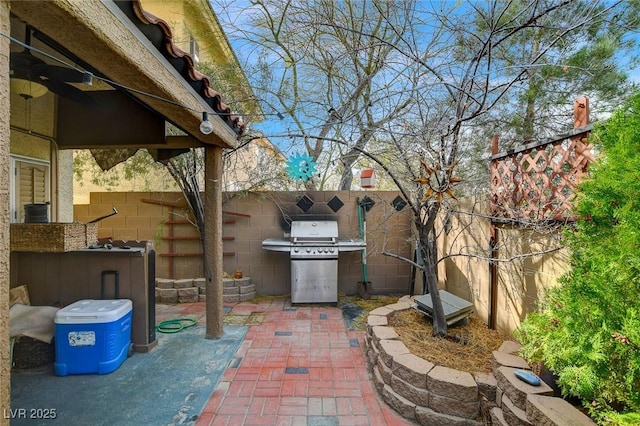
column 276, row 244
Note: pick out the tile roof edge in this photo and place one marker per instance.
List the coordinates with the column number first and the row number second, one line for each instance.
column 210, row 95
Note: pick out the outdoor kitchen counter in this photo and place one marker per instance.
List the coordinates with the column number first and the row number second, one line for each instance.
column 66, row 277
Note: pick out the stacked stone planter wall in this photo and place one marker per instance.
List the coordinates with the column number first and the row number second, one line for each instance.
column 419, row 390
column 520, row 404
column 194, row 290
column 439, row 396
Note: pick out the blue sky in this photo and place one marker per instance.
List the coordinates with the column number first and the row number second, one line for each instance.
column 234, row 13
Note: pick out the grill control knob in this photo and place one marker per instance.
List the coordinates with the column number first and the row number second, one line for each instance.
column 308, row 250
column 296, row 249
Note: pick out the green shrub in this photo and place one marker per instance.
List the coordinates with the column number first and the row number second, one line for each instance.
column 587, row 330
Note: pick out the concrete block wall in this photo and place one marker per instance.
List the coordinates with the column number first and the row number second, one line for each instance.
column 270, row 271
column 520, row 282
column 435, row 395
column 262, row 215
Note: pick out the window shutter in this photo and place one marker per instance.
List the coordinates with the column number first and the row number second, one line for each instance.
column 31, row 180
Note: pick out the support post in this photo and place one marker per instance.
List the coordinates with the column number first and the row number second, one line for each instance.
column 493, row 278
column 493, row 264
column 213, row 241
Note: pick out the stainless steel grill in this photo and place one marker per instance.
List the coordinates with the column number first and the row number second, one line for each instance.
column 313, row 248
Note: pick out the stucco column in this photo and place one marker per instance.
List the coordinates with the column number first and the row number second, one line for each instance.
column 5, row 108
column 213, row 265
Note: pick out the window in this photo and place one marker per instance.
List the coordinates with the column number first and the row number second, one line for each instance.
column 29, row 184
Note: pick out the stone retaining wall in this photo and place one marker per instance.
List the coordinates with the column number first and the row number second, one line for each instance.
column 439, row 396
column 194, row 290
column 520, row 404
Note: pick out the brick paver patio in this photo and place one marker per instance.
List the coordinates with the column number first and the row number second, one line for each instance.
column 299, row 366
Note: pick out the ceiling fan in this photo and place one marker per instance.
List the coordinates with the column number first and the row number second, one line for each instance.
column 36, row 76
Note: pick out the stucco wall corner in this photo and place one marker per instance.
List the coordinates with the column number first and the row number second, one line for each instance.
column 65, row 186
column 5, row 365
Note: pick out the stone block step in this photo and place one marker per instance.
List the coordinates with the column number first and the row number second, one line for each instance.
column 497, row 417
column 450, row 383
column 247, row 296
column 549, row 411
column 406, row 408
column 505, row 359
column 412, row 369
column 517, row 390
column 167, row 295
column 419, row 396
column 487, row 385
column 183, row 283
column 510, row 347
column 244, row 289
column 454, row 406
column 380, row 332
column 164, row 283
column 514, row 415
column 426, row 416
column 390, row 349
column 187, row 295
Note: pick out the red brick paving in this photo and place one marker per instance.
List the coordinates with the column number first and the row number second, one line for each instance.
column 259, row 391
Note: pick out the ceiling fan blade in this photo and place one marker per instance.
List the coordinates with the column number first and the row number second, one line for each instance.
column 70, row 92
column 53, row 72
column 24, row 61
column 26, row 66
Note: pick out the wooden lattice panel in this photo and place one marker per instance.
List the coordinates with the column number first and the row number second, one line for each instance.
column 536, row 182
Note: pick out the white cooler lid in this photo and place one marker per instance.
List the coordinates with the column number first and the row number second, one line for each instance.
column 93, row 311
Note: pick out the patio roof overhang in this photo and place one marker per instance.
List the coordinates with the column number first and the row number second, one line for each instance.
column 115, row 45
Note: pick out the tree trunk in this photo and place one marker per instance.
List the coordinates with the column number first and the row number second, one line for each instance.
column 439, row 320
column 528, row 124
column 428, row 251
column 347, row 177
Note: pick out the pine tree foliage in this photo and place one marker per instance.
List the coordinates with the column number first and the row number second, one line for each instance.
column 587, row 330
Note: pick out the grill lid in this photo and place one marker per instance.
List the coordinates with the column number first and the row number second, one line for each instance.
column 307, row 230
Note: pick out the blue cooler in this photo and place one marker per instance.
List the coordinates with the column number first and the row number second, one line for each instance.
column 92, row 336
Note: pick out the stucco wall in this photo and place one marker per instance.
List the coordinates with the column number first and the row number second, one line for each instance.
column 35, row 120
column 523, row 281
column 387, row 229
column 465, row 276
column 522, row 275
column 65, row 186
column 5, row 367
column 29, row 145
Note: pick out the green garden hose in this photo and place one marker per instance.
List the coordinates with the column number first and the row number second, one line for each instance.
column 175, row 325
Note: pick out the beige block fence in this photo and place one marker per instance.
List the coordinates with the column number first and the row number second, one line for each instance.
column 528, row 260
column 249, row 219
column 252, row 217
